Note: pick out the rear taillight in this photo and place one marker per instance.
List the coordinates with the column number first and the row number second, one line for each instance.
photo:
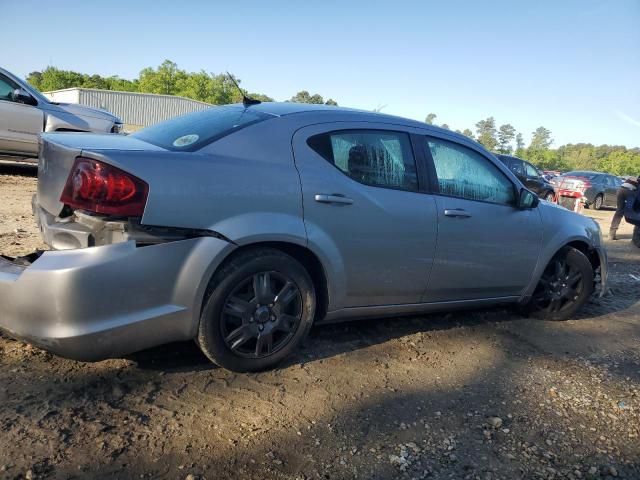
column 101, row 188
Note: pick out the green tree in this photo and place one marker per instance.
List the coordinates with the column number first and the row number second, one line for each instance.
column 430, row 118
column 468, row 133
column 304, row 96
column 164, row 80
column 539, row 153
column 486, row 133
column 506, row 134
column 519, row 145
column 445, row 126
column 541, row 139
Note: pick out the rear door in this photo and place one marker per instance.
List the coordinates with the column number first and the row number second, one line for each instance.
column 487, row 248
column 20, row 124
column 367, row 211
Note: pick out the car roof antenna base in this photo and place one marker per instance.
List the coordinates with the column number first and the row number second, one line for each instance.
column 247, row 101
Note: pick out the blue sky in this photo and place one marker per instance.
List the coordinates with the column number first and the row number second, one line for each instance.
column 572, row 66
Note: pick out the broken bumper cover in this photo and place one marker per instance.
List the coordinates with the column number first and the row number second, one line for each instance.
column 103, row 302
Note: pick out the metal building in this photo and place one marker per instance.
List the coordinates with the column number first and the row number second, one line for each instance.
column 136, row 110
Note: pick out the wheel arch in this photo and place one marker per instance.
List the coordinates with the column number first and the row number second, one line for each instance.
column 580, row 244
column 301, row 253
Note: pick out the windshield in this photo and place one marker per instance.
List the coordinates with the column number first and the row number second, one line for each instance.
column 193, row 131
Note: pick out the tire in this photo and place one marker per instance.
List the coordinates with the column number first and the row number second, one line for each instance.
column 636, row 236
column 598, row 202
column 259, row 307
column 549, row 196
column 566, row 285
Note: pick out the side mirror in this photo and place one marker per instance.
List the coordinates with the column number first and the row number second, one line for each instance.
column 527, row 199
column 22, row 96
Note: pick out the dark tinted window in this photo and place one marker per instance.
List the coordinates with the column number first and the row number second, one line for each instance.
column 465, row 173
column 195, row 130
column 6, row 88
column 531, row 171
column 374, row 157
column 517, row 167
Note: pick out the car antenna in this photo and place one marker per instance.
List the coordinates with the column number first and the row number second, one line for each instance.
column 246, row 100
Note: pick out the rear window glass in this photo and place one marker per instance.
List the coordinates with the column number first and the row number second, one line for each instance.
column 193, row 131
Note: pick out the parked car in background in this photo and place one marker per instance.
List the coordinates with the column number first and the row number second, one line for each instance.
column 529, row 175
column 591, row 188
column 25, row 113
column 548, row 175
column 240, row 227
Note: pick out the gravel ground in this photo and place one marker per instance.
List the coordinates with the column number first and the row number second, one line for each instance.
column 472, row 395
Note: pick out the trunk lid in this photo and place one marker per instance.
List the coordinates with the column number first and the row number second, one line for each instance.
column 58, row 152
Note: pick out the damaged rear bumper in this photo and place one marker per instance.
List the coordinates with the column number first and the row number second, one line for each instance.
column 96, row 303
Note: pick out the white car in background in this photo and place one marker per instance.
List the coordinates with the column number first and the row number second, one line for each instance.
column 25, row 113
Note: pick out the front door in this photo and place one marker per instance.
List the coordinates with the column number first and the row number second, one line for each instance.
column 364, row 210
column 20, row 124
column 487, row 248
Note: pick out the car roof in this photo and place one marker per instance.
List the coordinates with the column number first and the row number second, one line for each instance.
column 282, row 109
column 585, row 172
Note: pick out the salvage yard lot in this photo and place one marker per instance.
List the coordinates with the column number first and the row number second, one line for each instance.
column 483, row 394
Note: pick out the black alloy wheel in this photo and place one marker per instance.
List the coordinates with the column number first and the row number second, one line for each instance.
column 258, row 308
column 565, row 285
column 261, row 314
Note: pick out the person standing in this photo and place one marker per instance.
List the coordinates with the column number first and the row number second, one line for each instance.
column 627, row 190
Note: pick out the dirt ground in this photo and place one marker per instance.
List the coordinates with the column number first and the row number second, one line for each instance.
column 472, row 395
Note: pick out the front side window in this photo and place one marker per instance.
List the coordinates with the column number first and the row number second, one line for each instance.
column 374, row 157
column 531, row 171
column 6, row 89
column 465, row 173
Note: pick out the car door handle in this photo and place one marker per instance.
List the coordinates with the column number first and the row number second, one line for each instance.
column 457, row 212
column 335, row 198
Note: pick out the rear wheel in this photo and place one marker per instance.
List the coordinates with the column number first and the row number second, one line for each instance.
column 598, row 202
column 259, row 308
column 549, row 196
column 636, row 236
column 565, row 286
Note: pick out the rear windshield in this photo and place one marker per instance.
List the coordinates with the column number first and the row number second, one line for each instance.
column 193, row 131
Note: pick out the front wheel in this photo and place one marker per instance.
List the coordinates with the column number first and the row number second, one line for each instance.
column 259, row 308
column 565, row 286
column 549, row 196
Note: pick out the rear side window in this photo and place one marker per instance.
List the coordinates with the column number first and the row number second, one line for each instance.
column 516, row 167
column 374, row 157
column 193, row 131
column 465, row 173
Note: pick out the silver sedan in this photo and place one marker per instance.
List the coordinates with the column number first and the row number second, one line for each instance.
column 241, row 226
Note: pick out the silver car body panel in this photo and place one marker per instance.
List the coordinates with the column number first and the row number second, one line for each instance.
column 390, row 252
column 100, row 302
